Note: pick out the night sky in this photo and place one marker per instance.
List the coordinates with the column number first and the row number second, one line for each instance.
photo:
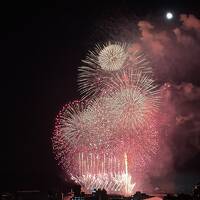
column 42, row 44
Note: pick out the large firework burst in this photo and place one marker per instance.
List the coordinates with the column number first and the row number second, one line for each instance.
column 105, row 61
column 102, row 127
column 113, row 134
column 134, row 98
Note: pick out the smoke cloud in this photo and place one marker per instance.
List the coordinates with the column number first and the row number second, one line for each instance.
column 174, row 53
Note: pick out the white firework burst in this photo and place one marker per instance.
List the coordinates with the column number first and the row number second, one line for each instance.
column 112, row 57
column 134, row 98
column 99, row 66
column 93, row 78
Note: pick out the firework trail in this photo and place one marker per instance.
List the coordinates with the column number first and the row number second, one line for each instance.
column 103, row 171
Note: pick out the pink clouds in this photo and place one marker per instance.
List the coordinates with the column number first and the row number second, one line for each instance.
column 150, row 39
column 182, row 38
column 174, row 51
column 190, row 22
column 185, row 100
column 180, row 138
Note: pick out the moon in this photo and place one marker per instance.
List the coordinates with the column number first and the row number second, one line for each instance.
column 169, row 15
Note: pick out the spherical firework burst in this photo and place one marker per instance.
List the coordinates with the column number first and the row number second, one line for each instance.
column 94, row 74
column 134, row 99
column 112, row 56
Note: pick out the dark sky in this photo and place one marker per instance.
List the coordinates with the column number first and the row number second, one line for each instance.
column 42, row 44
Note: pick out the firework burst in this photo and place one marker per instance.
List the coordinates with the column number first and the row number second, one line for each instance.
column 94, row 75
column 97, row 129
column 111, row 57
column 110, row 136
column 134, row 99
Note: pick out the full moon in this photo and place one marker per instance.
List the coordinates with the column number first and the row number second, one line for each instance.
column 169, row 15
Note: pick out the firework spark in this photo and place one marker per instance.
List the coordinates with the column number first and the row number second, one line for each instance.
column 105, row 172
column 134, row 99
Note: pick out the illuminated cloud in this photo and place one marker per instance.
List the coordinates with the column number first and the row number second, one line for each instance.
column 174, row 51
column 190, row 22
